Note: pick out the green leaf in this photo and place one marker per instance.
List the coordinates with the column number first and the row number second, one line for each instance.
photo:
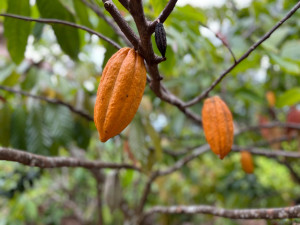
column 18, row 127
column 5, row 115
column 82, row 13
column 155, row 140
column 3, row 6
column 158, row 6
column 17, row 31
column 289, row 98
column 287, row 65
column 291, row 50
column 12, row 79
column 104, row 28
column 189, row 13
column 6, row 71
column 67, row 37
column 37, row 31
column 37, row 136
column 59, row 122
column 137, row 140
column 81, row 133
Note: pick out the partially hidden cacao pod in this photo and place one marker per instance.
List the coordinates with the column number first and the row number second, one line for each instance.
column 119, row 93
column 247, row 162
column 271, row 98
column 160, row 38
column 218, row 125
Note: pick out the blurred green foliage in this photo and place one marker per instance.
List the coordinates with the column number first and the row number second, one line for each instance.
column 66, row 64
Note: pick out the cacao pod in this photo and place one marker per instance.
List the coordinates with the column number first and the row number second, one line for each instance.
column 247, row 162
column 218, row 126
column 119, row 93
column 271, row 98
column 160, row 38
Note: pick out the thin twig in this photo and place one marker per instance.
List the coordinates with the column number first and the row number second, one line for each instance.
column 205, row 93
column 35, row 160
column 50, row 100
column 67, row 23
column 264, row 213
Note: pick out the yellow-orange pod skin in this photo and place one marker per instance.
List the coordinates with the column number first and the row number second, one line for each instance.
column 217, row 125
column 119, row 93
column 247, row 162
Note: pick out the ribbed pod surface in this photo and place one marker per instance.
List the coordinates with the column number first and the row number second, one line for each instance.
column 247, row 162
column 119, row 93
column 218, row 125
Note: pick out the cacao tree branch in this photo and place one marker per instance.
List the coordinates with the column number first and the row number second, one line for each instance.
column 264, row 213
column 67, row 23
column 50, row 100
column 205, row 93
column 34, row 160
column 123, row 25
column 111, row 23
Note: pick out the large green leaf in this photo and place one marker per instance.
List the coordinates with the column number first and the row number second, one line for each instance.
column 59, row 122
column 18, row 128
column 5, row 116
column 155, row 139
column 190, row 13
column 291, row 50
column 82, row 13
column 37, row 135
column 290, row 97
column 67, row 37
column 287, row 65
column 81, row 133
column 17, row 31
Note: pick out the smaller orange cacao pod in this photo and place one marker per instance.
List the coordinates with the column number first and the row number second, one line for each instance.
column 247, row 162
column 271, row 98
column 119, row 93
column 218, row 125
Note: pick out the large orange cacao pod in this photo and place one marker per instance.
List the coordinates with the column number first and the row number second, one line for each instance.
column 119, row 93
column 247, row 162
column 218, row 125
